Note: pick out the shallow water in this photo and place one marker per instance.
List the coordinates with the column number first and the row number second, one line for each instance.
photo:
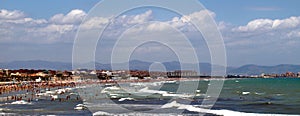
column 238, row 97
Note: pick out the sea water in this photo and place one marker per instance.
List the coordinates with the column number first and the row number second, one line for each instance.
column 274, row 96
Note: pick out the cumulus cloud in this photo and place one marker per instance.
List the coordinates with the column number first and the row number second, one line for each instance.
column 19, row 28
column 294, row 34
column 67, row 24
column 269, row 24
column 73, row 17
column 15, row 14
column 138, row 19
column 94, row 23
column 184, row 23
column 267, row 37
column 16, row 27
column 277, row 32
column 126, row 20
column 257, row 36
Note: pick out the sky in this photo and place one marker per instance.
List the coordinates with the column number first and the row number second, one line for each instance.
column 255, row 32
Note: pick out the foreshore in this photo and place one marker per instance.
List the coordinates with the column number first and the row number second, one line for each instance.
column 29, row 90
column 6, row 87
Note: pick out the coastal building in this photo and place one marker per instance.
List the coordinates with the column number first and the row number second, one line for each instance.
column 155, row 74
column 139, row 73
column 94, row 72
column 1, row 73
column 133, row 78
column 42, row 74
column 182, row 73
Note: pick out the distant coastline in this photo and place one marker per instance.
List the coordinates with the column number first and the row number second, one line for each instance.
column 7, row 75
column 205, row 68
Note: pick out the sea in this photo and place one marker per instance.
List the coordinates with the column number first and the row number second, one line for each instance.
column 248, row 96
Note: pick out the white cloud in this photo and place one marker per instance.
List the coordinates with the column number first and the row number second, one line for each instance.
column 269, row 24
column 73, row 17
column 294, row 34
column 200, row 15
column 15, row 14
column 184, row 23
column 262, row 40
column 57, row 28
column 264, row 36
column 126, row 20
column 18, row 28
column 24, row 21
column 94, row 23
column 256, row 25
column 138, row 19
column 286, row 23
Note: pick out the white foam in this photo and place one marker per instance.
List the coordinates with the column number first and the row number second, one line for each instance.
column 170, row 81
column 80, row 107
column 109, row 89
column 80, row 87
column 20, row 102
column 178, row 95
column 223, row 112
column 206, row 79
column 147, row 90
column 259, row 93
column 101, row 113
column 7, row 114
column 60, row 91
column 128, row 98
column 245, row 92
column 113, row 96
column 50, row 92
column 170, row 105
column 165, row 93
column 54, row 96
column 136, row 84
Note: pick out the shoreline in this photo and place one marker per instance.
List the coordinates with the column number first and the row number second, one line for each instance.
column 7, row 87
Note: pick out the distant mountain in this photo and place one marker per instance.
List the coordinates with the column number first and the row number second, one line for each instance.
column 36, row 64
column 256, row 69
column 133, row 65
column 205, row 68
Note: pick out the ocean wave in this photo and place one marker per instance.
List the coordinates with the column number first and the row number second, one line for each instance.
column 123, row 99
column 245, row 92
column 145, row 84
column 147, row 90
column 257, row 93
column 101, row 113
column 80, row 107
column 166, row 93
column 7, row 114
column 20, row 102
column 223, row 112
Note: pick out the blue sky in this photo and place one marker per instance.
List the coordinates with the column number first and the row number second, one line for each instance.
column 233, row 11
column 255, row 32
column 242, row 11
